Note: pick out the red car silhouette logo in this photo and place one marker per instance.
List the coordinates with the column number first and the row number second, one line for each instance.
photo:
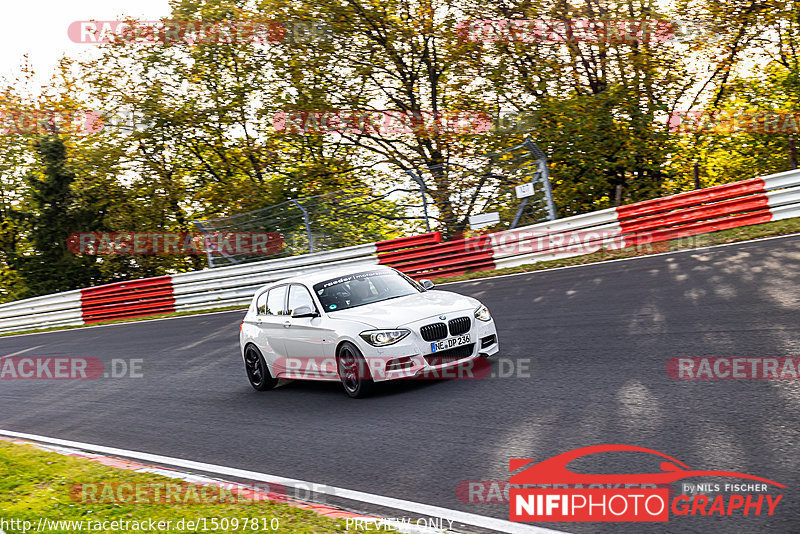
column 554, row 470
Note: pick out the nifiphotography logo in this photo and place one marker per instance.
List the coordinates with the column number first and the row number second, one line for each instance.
column 572, row 496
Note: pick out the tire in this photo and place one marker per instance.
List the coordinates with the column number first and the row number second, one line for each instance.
column 257, row 370
column 354, row 372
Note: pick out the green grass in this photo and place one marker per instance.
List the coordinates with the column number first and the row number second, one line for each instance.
column 39, row 484
column 788, row 226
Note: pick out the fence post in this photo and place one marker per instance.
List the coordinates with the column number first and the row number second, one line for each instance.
column 308, row 225
column 422, row 190
column 696, row 175
column 544, row 176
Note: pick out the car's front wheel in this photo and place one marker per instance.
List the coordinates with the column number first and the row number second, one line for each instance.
column 353, row 371
column 257, row 370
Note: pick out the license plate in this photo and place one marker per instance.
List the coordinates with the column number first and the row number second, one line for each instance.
column 450, row 343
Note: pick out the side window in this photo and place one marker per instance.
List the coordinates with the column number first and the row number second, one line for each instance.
column 299, row 296
column 261, row 303
column 275, row 301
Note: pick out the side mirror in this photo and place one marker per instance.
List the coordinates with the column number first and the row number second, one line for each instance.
column 304, row 311
column 426, row 284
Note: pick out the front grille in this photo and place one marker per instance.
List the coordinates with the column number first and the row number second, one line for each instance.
column 450, row 355
column 433, row 332
column 459, row 326
column 488, row 341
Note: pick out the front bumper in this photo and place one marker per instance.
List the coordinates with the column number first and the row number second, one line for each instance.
column 413, row 357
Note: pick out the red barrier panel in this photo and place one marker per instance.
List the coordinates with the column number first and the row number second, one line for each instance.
column 696, row 214
column 703, row 227
column 407, row 242
column 443, row 259
column 122, row 300
column 450, row 247
column 691, row 198
column 452, row 266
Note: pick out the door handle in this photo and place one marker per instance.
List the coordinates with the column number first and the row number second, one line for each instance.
column 287, row 324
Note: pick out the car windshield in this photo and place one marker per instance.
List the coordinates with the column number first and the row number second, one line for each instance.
column 363, row 288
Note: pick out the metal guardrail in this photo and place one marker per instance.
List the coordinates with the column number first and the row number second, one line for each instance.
column 235, row 285
column 753, row 201
column 544, row 241
column 60, row 309
column 745, row 203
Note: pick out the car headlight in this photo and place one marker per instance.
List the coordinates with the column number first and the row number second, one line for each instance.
column 381, row 338
column 482, row 313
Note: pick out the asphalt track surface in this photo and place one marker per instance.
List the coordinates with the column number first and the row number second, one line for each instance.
column 597, row 339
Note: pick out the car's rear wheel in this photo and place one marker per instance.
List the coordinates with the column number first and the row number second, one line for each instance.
column 354, row 372
column 257, row 370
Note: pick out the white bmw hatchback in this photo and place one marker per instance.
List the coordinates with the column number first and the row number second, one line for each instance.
column 360, row 327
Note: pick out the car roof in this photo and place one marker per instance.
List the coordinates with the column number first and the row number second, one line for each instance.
column 322, row 274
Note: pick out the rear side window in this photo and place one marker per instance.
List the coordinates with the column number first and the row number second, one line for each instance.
column 275, row 301
column 261, row 303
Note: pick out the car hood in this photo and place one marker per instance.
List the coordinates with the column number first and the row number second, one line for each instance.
column 396, row 312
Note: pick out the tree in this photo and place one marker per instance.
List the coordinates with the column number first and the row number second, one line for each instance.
column 52, row 214
column 402, row 67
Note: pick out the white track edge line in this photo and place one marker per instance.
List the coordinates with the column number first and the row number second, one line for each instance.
column 369, row 498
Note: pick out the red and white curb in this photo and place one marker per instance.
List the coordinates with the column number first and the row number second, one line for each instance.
column 236, row 488
column 123, row 459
